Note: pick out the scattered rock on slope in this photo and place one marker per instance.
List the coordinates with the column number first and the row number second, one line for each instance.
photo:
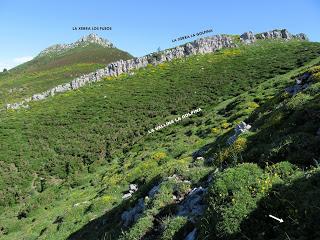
column 132, row 215
column 302, row 83
column 193, row 205
column 240, row 128
column 132, row 189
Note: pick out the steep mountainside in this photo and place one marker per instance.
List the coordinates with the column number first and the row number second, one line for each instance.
column 86, row 164
column 58, row 64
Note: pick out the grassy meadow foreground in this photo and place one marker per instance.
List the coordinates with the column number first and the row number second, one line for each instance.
column 66, row 162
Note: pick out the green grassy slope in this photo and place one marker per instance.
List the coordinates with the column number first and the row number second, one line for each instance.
column 44, row 72
column 68, row 159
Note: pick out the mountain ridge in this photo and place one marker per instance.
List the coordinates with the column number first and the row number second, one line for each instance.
column 199, row 46
column 83, row 41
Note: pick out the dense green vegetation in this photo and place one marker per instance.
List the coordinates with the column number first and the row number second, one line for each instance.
column 66, row 162
column 46, row 71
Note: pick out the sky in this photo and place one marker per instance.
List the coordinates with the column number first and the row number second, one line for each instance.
column 140, row 27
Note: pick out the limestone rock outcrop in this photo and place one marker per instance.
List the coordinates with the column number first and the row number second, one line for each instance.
column 85, row 40
column 193, row 205
column 132, row 215
column 248, row 37
column 284, row 34
column 280, row 34
column 192, row 235
column 302, row 83
column 240, row 128
column 132, row 189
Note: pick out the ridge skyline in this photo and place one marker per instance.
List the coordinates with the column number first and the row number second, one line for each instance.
column 89, row 38
column 38, row 28
column 198, row 46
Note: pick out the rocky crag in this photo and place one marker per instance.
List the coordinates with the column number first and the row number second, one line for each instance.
column 249, row 37
column 84, row 41
column 199, row 46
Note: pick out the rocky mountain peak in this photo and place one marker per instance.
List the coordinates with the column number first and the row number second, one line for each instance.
column 94, row 38
column 83, row 41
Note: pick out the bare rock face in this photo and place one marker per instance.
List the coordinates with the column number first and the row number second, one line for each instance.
column 284, row 34
column 248, row 37
column 83, row 41
column 302, row 83
column 240, row 128
column 301, row 36
column 132, row 215
column 192, row 235
column 193, row 205
column 94, row 38
column 275, row 34
column 132, row 189
column 281, row 34
column 200, row 46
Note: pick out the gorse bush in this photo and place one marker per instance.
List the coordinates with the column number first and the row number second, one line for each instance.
column 237, row 192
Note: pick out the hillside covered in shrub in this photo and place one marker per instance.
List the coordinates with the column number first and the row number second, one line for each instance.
column 53, row 68
column 67, row 163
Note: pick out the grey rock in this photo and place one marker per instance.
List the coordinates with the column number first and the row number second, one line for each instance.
column 192, row 235
column 293, row 90
column 94, row 38
column 285, row 34
column 127, row 195
column 15, row 106
column 132, row 215
column 39, row 96
column 304, row 78
column 210, row 178
column 193, row 205
column 83, row 41
column 174, row 176
column 281, row 34
column 302, row 83
column 301, row 36
column 153, row 191
column 200, row 152
column 240, row 128
column 248, row 37
column 133, row 187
